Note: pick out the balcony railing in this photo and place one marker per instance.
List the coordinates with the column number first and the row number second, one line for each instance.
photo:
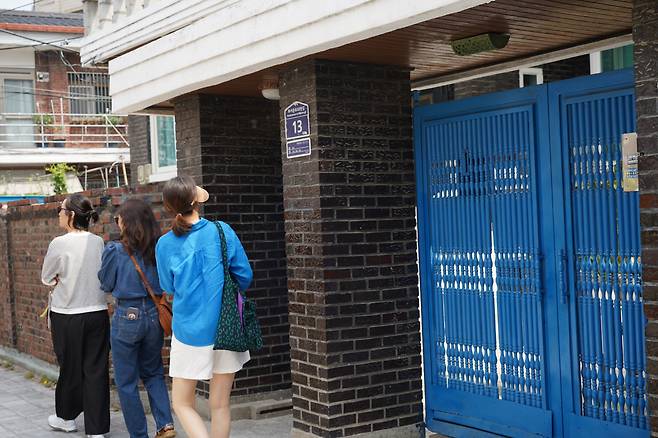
column 20, row 130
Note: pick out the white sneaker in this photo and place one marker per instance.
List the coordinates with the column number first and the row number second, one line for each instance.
column 95, row 436
column 61, row 424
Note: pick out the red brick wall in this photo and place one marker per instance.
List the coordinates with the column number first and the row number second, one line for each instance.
column 6, row 305
column 57, row 85
column 52, row 96
column 30, row 228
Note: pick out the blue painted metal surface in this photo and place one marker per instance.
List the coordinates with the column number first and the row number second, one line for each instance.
column 481, row 262
column 530, row 269
column 602, row 348
column 10, row 198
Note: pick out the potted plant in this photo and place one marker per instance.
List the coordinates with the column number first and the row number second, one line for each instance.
column 48, row 130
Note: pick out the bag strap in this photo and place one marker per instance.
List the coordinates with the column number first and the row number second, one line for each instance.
column 147, row 285
column 222, row 241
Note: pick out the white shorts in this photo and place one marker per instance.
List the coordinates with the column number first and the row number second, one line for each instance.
column 200, row 363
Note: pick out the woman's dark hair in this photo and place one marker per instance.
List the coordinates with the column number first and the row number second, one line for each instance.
column 84, row 211
column 140, row 229
column 178, row 196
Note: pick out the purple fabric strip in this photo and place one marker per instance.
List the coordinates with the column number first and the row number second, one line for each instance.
column 241, row 307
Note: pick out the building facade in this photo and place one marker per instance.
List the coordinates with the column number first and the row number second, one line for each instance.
column 385, row 110
column 53, row 109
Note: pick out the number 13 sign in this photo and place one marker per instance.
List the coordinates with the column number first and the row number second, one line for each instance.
column 297, row 123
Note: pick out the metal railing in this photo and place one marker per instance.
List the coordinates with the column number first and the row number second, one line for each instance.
column 24, row 130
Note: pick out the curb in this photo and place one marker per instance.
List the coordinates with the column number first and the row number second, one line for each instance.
column 37, row 366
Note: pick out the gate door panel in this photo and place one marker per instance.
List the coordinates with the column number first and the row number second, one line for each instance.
column 529, row 246
column 478, row 217
column 602, row 247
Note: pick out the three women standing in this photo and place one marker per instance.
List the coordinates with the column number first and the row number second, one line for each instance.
column 79, row 321
column 189, row 267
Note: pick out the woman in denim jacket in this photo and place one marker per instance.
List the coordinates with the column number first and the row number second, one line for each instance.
column 136, row 335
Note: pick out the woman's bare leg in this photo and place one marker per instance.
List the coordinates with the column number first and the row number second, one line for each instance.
column 220, row 405
column 182, row 398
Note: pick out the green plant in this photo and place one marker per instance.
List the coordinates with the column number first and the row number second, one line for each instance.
column 43, row 119
column 58, row 176
column 114, row 120
column 29, row 375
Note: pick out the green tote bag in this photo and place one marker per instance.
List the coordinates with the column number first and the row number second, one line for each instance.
column 235, row 333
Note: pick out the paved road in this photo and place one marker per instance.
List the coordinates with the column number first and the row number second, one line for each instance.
column 25, row 405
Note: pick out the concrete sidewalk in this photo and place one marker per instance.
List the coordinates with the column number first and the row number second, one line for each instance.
column 25, row 405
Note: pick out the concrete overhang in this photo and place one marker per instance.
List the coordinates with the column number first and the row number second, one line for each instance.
column 32, row 157
column 231, row 50
column 180, row 52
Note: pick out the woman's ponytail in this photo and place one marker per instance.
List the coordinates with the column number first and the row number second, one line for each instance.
column 179, row 195
column 179, row 226
column 83, row 211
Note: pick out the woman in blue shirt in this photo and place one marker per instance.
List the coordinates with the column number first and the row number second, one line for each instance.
column 189, row 261
column 136, row 336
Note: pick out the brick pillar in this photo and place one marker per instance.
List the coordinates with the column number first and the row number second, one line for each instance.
column 645, row 38
column 231, row 146
column 140, row 145
column 351, row 246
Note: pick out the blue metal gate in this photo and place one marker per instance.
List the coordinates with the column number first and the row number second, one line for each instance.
column 530, row 268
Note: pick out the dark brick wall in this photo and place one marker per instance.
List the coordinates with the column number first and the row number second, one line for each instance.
column 351, row 246
column 6, row 296
column 26, row 230
column 566, row 69
column 488, row 84
column 231, row 146
column 188, row 136
column 645, row 37
column 140, row 144
column 554, row 71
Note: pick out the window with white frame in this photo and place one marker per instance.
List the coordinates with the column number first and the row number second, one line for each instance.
column 17, row 104
column 530, row 76
column 616, row 58
column 163, row 147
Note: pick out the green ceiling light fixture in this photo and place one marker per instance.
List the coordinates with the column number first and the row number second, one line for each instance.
column 480, row 43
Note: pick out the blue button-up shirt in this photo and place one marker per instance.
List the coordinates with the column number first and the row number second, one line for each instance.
column 119, row 276
column 190, row 267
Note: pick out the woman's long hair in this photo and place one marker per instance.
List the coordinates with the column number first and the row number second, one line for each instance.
column 84, row 211
column 140, row 229
column 178, row 196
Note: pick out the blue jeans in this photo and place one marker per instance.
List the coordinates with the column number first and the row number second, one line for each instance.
column 136, row 354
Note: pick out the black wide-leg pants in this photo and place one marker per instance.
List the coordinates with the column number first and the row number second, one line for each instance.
column 82, row 345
